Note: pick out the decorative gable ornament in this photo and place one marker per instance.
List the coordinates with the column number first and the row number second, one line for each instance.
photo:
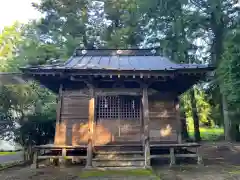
column 119, row 51
column 84, row 52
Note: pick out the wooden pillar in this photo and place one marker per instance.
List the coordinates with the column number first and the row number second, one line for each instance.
column 35, row 158
column 178, row 119
column 172, row 157
column 91, row 120
column 59, row 103
column 199, row 157
column 62, row 159
column 146, row 127
column 58, row 115
column 142, row 124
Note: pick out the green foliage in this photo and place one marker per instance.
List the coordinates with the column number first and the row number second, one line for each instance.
column 229, row 78
column 204, row 108
column 26, row 111
column 10, row 38
column 209, row 134
column 229, row 70
column 124, row 29
column 7, row 153
column 37, row 130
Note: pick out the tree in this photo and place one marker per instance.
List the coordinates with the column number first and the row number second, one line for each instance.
column 10, row 38
column 124, row 27
column 229, row 75
column 172, row 22
column 216, row 18
column 19, row 103
column 71, row 23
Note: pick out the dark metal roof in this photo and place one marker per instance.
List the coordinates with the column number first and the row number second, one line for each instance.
column 134, row 59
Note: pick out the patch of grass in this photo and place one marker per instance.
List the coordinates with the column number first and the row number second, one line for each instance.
column 209, row 134
column 235, row 172
column 107, row 173
column 7, row 153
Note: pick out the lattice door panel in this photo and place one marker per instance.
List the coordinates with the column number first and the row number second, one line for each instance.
column 118, row 107
column 120, row 115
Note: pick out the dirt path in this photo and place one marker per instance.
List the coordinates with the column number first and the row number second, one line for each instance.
column 55, row 173
column 221, row 162
column 200, row 173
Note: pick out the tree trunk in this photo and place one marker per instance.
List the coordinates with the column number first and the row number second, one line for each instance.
column 24, row 154
column 227, row 124
column 197, row 135
column 184, row 129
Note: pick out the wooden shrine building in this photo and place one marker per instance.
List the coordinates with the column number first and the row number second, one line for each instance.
column 126, row 100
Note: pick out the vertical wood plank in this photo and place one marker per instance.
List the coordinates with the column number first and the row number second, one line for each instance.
column 59, row 104
column 91, row 120
column 58, row 114
column 178, row 119
column 146, row 126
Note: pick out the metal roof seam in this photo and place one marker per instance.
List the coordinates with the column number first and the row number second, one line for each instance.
column 130, row 62
column 99, row 60
column 109, row 60
column 118, row 62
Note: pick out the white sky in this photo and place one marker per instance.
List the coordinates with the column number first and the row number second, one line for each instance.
column 17, row 10
column 21, row 10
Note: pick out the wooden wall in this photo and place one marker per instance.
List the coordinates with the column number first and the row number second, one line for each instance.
column 163, row 122
column 122, row 130
column 73, row 126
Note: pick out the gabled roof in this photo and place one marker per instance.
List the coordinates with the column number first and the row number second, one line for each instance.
column 108, row 65
column 123, row 60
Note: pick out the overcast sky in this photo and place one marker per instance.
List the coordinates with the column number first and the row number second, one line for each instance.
column 17, row 10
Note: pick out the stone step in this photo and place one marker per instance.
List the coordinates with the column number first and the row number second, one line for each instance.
column 119, row 157
column 118, row 148
column 117, row 144
column 128, row 138
column 118, row 152
column 118, row 163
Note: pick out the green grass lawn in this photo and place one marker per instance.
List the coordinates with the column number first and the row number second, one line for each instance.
column 7, row 153
column 209, row 134
column 111, row 173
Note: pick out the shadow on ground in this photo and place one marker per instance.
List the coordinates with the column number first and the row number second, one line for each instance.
column 221, row 162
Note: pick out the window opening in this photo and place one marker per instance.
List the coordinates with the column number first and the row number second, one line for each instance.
column 118, row 107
